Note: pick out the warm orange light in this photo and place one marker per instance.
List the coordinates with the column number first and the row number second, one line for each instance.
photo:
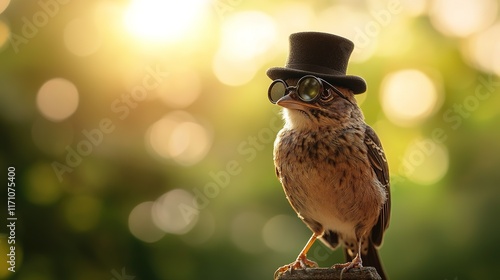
column 162, row 21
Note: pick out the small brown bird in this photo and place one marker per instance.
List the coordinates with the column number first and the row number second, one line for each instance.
column 330, row 162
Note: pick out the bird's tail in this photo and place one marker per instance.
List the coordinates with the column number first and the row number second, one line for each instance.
column 370, row 259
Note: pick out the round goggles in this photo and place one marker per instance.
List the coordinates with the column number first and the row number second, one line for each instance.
column 308, row 88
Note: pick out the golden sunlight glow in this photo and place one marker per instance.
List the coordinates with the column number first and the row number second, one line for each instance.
column 81, row 37
column 233, row 73
column 163, row 20
column 408, row 97
column 247, row 35
column 246, row 39
column 462, row 18
column 414, row 7
column 57, row 99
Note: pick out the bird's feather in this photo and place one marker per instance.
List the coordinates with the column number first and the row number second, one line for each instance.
column 378, row 162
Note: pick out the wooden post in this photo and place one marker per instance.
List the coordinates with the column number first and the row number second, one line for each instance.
column 363, row 273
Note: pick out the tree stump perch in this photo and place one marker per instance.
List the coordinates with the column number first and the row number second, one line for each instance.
column 363, row 273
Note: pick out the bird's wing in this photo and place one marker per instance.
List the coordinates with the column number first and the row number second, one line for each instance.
column 379, row 164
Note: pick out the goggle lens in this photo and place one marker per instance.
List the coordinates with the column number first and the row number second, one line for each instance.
column 277, row 90
column 309, row 88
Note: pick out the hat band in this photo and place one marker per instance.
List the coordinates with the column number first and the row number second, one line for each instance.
column 314, row 68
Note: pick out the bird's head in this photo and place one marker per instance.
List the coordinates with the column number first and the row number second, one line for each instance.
column 312, row 102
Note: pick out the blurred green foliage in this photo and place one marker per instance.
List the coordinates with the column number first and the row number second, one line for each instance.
column 208, row 129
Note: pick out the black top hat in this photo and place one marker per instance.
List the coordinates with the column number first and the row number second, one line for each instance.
column 320, row 54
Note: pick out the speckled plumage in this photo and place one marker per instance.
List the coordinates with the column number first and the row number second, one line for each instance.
column 334, row 173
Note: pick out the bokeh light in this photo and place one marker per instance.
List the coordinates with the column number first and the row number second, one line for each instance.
column 290, row 18
column 57, row 99
column 283, row 233
column 414, row 7
column 162, row 21
column 3, row 5
column 246, row 37
column 108, row 16
column 352, row 23
column 141, row 225
column 81, row 37
column 4, row 34
column 231, row 72
column 462, row 18
column 408, row 97
column 483, row 49
column 184, row 187
column 425, row 162
column 174, row 212
column 180, row 137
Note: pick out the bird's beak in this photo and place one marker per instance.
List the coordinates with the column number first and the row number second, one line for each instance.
column 288, row 101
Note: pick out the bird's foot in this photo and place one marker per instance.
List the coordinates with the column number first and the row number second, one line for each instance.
column 301, row 263
column 356, row 262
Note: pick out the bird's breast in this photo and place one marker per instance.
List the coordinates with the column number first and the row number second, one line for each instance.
column 326, row 176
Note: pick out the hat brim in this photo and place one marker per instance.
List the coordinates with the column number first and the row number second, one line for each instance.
column 354, row 83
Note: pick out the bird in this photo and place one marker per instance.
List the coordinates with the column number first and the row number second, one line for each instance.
column 330, row 163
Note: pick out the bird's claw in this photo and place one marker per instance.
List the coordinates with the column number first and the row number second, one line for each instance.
column 301, row 263
column 356, row 262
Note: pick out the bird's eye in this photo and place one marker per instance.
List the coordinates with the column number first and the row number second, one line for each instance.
column 327, row 95
column 308, row 89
